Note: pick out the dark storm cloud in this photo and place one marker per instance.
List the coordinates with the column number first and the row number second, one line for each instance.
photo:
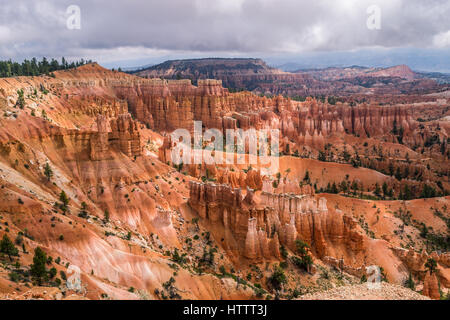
column 114, row 30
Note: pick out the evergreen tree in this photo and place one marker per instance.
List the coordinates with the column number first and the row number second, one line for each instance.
column 307, row 179
column 407, row 195
column 377, row 190
column 431, row 265
column 38, row 269
column 385, row 189
column 410, row 283
column 391, row 169
column 106, row 218
column 7, row 247
column 34, row 68
column 428, row 192
column 334, row 188
column 355, row 187
column 52, row 273
column 343, row 186
column 322, row 156
column 398, row 174
column 64, row 201
column 20, row 100
column 48, row 172
column 305, row 260
column 278, row 278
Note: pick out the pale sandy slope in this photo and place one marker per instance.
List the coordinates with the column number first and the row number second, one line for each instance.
column 362, row 292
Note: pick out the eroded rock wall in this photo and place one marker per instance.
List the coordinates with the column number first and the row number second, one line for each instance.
column 261, row 222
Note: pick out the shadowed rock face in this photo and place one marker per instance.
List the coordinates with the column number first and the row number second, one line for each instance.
column 431, row 286
column 254, row 221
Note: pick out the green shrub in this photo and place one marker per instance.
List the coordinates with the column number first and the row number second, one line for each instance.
column 278, row 278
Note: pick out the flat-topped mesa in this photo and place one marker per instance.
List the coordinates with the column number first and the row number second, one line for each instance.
column 121, row 134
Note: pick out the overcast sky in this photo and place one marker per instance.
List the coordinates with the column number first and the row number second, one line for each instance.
column 133, row 32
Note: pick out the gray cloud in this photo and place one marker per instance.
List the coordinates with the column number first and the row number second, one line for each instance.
column 133, row 29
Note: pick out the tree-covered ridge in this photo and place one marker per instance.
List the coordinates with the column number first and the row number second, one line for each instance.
column 34, row 67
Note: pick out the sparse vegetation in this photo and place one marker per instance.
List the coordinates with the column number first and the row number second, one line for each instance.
column 38, row 269
column 278, row 278
column 8, row 248
column 48, row 172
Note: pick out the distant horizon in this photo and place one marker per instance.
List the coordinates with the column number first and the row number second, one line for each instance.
column 290, row 66
column 282, row 65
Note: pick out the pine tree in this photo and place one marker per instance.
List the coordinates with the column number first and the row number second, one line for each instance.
column 278, row 278
column 398, row 174
column 52, row 273
column 106, row 218
column 410, row 283
column 322, row 156
column 407, row 195
column 334, row 188
column 35, row 68
column 354, row 187
column 64, row 201
column 385, row 189
column 431, row 265
column 343, row 186
column 20, row 100
column 377, row 190
column 391, row 169
column 48, row 172
column 38, row 269
column 307, row 178
column 7, row 247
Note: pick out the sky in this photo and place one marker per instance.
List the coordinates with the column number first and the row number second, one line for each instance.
column 303, row 33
